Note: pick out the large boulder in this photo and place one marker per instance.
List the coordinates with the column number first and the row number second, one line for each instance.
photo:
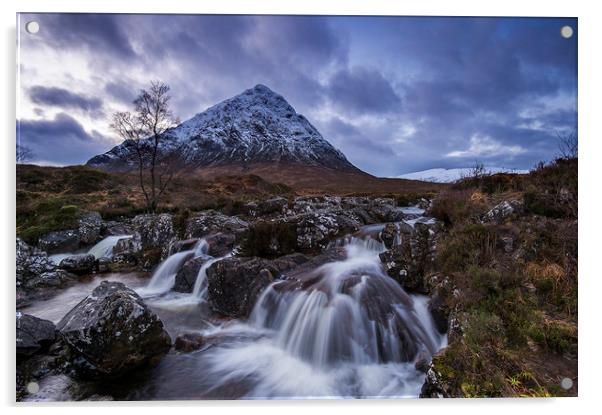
column 33, row 334
column 221, row 244
column 90, row 226
column 60, row 241
column 234, row 284
column 112, row 331
column 153, row 232
column 187, row 275
column 79, row 264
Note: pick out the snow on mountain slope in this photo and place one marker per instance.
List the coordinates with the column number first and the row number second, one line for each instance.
column 451, row 175
column 258, row 125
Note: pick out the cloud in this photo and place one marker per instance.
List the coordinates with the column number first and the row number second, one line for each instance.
column 62, row 140
column 59, row 97
column 486, row 147
column 362, row 91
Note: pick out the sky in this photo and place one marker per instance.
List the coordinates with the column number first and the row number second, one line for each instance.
column 394, row 94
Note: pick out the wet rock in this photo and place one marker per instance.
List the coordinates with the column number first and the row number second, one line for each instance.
column 79, row 264
column 90, row 226
column 183, row 245
column 112, row 331
column 276, row 205
column 189, row 342
column 221, row 244
column 33, row 334
column 153, row 231
column 389, row 234
column 55, row 279
column 436, row 385
column 234, row 284
column 30, row 263
column 103, row 264
column 211, row 222
column 60, row 241
column 503, row 211
column 187, row 275
column 114, row 228
column 125, row 246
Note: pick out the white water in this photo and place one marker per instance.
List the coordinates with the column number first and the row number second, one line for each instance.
column 102, row 249
column 343, row 329
column 164, row 277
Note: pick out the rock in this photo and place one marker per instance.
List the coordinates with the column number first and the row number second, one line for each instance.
column 189, row 342
column 153, row 231
column 183, row 245
column 220, row 244
column 33, row 334
column 276, row 205
column 315, row 230
column 125, row 246
column 90, row 226
column 112, row 331
column 30, row 263
column 409, row 262
column 79, row 264
column 211, row 222
column 187, row 275
column 60, row 241
column 234, row 284
column 56, row 279
column 388, row 235
column 435, row 385
column 501, row 212
column 114, row 228
column 103, row 264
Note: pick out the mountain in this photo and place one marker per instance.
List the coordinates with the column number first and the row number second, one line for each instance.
column 451, row 175
column 256, row 127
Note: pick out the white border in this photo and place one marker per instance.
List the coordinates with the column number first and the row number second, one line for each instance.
column 590, row 71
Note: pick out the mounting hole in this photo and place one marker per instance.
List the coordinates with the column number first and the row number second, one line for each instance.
column 566, row 383
column 33, row 387
column 566, row 32
column 32, row 27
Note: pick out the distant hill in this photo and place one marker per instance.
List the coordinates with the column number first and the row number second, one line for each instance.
column 451, row 175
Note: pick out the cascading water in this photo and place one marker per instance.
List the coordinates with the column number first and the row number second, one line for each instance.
column 104, row 248
column 342, row 329
column 164, row 277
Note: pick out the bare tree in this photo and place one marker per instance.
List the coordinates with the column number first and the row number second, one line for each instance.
column 568, row 144
column 24, row 154
column 143, row 131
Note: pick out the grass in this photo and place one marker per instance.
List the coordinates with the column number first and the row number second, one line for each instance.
column 518, row 308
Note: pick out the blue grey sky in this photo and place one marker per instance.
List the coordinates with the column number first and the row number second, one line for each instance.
column 395, row 94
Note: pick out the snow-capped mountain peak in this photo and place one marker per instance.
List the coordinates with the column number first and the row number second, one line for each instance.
column 255, row 126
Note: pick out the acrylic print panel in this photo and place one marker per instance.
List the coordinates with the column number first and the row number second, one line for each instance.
column 269, row 207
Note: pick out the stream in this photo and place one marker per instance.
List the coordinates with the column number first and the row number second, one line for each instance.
column 344, row 329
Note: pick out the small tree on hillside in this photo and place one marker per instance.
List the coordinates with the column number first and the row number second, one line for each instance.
column 142, row 130
column 568, row 144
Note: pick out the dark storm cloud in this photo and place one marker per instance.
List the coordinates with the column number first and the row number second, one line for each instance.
column 62, row 140
column 59, row 97
column 100, row 33
column 361, row 91
column 394, row 94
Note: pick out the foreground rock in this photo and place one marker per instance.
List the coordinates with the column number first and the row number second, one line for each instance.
column 154, row 233
column 187, row 275
column 112, row 332
column 79, row 264
column 33, row 334
column 30, row 263
column 234, row 284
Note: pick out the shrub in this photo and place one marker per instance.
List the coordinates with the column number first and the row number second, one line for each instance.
column 468, row 245
column 270, row 239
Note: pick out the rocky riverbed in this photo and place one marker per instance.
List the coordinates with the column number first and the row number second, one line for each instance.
column 294, row 298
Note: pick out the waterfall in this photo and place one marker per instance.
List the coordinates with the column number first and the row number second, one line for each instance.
column 343, row 329
column 104, row 248
column 164, row 277
column 199, row 292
